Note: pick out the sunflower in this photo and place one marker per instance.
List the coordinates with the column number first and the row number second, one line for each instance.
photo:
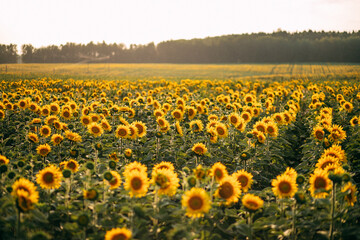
column 200, row 172
column 66, row 114
column 163, row 165
column 162, row 122
column 179, row 129
column 291, row 173
column 105, row 125
column 197, row 202
column 177, row 114
column 141, row 128
column 272, row 129
column 134, row 166
column 118, row 234
column 279, row 118
column 234, row 119
column 122, row 131
column 260, row 126
column 252, row 202
column 113, row 156
column 196, row 125
column 241, row 126
column 27, row 186
column 56, row 139
column 158, row 113
column 128, row 152
column 45, row 131
column 319, row 184
column 95, row 129
column 72, row 136
column 246, row 116
column 91, row 194
column 2, row 114
column 218, row 171
column 54, row 108
column 33, row 137
column 348, row 106
column 318, row 133
column 133, row 131
column 350, row 197
column 284, row 186
column 228, row 190
column 221, row 130
column 261, row 137
column 22, row 104
column 337, row 134
column 199, row 148
column 354, row 121
column 244, row 178
column 213, row 117
column 72, row 165
column 50, row 120
column 49, row 177
column 24, row 201
column 57, row 125
column 166, row 180
column 3, row 160
column 43, row 149
column 85, row 120
column 191, row 111
column 94, row 117
column 45, row 110
column 336, row 152
column 136, row 183
column 115, row 181
column 326, row 160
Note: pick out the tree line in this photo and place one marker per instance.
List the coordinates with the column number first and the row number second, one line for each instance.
column 280, row 46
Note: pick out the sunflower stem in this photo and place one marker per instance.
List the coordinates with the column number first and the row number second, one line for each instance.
column 18, row 224
column 250, row 226
column 293, row 221
column 333, row 199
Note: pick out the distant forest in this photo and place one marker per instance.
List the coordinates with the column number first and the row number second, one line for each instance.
column 277, row 47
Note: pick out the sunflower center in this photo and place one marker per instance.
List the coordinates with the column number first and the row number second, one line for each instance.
column 122, row 132
column 45, row 131
column 136, row 183
column 113, row 181
column 119, row 236
column 86, row 121
column 233, row 120
column 218, row 173
column 252, row 204
column 285, row 187
column 48, row 178
column 243, row 180
column 177, row 115
column 320, row 183
column 43, row 151
column 220, row 131
column 71, row 165
column 66, row 114
column 226, row 190
column 319, row 134
column 195, row 203
column 198, row 150
column 95, row 129
column 261, row 128
column 270, row 129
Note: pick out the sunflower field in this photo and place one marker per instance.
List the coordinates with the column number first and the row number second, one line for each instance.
column 187, row 159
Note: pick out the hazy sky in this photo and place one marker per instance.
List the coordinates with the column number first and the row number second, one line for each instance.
column 46, row 22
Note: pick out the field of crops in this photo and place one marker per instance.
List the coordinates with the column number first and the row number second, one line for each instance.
column 179, row 152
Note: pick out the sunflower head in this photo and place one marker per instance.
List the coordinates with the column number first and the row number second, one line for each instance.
column 43, row 150
column 3, row 160
column 320, row 184
column 199, row 149
column 284, row 186
column 49, row 177
column 218, row 171
column 228, row 190
column 244, row 178
column 118, row 234
column 251, row 202
column 122, row 131
column 196, row 202
column 351, row 192
column 136, row 183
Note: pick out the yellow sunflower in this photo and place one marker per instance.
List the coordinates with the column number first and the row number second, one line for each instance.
column 241, row 126
column 49, row 177
column 337, row 134
column 252, row 202
column 177, row 114
column 320, row 184
column 133, row 131
column 115, row 181
column 272, row 129
column 196, row 125
column 244, row 178
column 72, row 165
column 179, row 129
column 164, row 165
column 324, row 161
column 27, row 186
column 56, row 139
column 354, row 121
column 199, row 172
column 291, row 173
column 191, row 111
column 218, row 171
column 3, row 160
column 228, row 190
column 118, row 234
column 166, row 181
column 122, row 131
column 95, row 129
column 221, row 130
column 33, row 137
column 284, row 186
column 197, row 202
column 199, row 148
column 43, row 150
column 72, row 136
column 105, row 125
column 45, row 131
column 85, row 120
column 141, row 128
column 136, row 183
column 260, row 126
column 318, row 133
column 246, row 116
column 234, row 119
column 66, row 114
column 134, row 166
column 350, row 197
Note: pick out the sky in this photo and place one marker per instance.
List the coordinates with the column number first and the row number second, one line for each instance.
column 56, row 22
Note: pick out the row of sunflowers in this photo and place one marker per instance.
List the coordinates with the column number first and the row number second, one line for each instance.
column 85, row 159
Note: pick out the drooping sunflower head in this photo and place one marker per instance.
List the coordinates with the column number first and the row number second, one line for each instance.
column 228, row 190
column 197, row 202
column 49, row 177
column 284, row 186
column 199, row 148
column 252, row 202
column 244, row 178
column 218, row 171
column 118, row 234
column 350, row 197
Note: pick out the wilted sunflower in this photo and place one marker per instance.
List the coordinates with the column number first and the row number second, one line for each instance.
column 45, row 131
column 197, row 202
column 136, row 183
column 166, row 181
column 122, row 131
column 95, row 129
column 320, row 184
column 218, row 171
column 199, row 148
column 118, row 234
column 252, row 202
column 244, row 178
column 113, row 156
column 228, row 190
column 141, row 128
column 43, row 149
column 56, row 139
column 115, row 181
column 49, row 177
column 33, row 137
column 284, row 186
column 350, row 197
